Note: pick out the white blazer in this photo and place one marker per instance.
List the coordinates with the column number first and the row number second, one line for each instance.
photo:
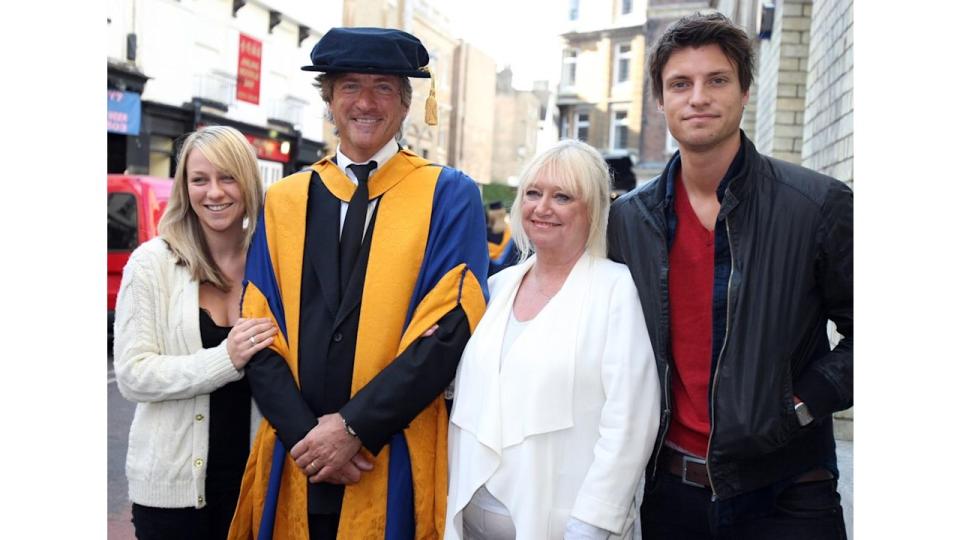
column 566, row 425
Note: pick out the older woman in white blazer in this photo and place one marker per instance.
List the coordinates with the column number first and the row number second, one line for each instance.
column 556, row 398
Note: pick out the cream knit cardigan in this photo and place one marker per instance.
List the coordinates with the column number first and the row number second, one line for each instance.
column 161, row 364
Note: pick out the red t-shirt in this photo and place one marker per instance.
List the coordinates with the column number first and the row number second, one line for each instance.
column 691, row 326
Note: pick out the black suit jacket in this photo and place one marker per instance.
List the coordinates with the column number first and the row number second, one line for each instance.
column 328, row 339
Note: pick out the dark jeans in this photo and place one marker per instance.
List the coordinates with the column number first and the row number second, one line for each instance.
column 786, row 510
column 208, row 523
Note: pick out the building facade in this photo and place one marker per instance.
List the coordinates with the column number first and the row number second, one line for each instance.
column 516, row 128
column 600, row 93
column 463, row 136
column 433, row 142
column 471, row 119
column 177, row 65
column 803, row 98
column 656, row 143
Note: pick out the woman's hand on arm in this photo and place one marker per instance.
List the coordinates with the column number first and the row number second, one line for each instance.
column 146, row 370
column 248, row 337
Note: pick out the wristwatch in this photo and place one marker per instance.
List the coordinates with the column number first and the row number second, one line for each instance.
column 349, row 429
column 803, row 413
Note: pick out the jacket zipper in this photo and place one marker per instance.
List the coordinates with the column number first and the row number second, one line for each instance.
column 665, row 416
column 723, row 348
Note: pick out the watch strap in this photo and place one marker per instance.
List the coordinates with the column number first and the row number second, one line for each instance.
column 349, row 429
column 803, row 413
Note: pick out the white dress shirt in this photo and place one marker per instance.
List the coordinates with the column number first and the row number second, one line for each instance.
column 381, row 157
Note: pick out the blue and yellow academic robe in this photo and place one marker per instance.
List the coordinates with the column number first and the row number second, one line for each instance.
column 503, row 253
column 426, row 258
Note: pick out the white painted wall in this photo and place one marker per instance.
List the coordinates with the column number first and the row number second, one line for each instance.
column 190, row 48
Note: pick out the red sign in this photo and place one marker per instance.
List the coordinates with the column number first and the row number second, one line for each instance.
column 271, row 149
column 248, row 70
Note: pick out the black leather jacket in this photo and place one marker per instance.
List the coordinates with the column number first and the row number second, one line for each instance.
column 791, row 243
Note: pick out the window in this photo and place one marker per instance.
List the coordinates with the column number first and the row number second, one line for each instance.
column 121, row 221
column 626, row 7
column 574, row 9
column 621, row 63
column 270, row 171
column 569, row 75
column 563, row 125
column 619, row 128
column 583, row 126
column 161, row 156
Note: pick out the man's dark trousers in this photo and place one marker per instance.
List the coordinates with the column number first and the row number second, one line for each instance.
column 785, row 510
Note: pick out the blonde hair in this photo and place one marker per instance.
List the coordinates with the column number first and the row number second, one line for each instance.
column 578, row 169
column 230, row 152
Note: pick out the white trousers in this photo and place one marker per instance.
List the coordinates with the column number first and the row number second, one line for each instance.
column 482, row 524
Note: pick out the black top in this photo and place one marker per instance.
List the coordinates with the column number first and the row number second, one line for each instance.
column 229, row 423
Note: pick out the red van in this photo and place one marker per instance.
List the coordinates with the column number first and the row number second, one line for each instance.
column 134, row 207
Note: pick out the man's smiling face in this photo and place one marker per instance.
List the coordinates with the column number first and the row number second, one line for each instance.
column 367, row 111
column 702, row 98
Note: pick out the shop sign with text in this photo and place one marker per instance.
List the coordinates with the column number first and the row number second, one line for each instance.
column 248, row 69
column 123, row 112
column 270, row 149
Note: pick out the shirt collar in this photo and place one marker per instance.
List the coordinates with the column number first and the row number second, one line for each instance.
column 733, row 170
column 381, row 157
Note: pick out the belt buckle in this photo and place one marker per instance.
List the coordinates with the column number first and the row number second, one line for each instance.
column 690, row 459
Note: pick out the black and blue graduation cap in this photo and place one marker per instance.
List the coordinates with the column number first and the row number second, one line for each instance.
column 374, row 51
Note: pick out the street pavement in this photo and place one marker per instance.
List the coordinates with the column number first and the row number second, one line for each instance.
column 120, row 414
column 845, row 483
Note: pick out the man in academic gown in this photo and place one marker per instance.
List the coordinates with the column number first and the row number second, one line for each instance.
column 500, row 244
column 373, row 263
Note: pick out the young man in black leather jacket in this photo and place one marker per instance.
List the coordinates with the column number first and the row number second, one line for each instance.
column 740, row 260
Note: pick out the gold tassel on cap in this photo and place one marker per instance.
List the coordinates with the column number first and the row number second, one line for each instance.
column 430, row 108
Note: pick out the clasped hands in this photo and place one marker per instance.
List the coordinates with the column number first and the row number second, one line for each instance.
column 329, row 454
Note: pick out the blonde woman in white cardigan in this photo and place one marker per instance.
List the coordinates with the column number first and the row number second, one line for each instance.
column 175, row 352
column 556, row 400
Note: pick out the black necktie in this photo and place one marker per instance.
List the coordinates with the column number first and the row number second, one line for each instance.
column 353, row 225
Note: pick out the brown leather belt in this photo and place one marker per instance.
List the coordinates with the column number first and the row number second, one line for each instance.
column 815, row 475
column 693, row 470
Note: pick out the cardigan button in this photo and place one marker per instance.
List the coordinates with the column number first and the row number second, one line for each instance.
column 200, row 499
column 198, row 463
column 199, row 418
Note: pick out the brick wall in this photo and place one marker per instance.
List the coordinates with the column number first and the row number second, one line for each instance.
column 653, row 126
column 782, row 82
column 828, row 123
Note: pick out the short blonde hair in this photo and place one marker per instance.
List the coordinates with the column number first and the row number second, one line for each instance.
column 229, row 151
column 580, row 170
